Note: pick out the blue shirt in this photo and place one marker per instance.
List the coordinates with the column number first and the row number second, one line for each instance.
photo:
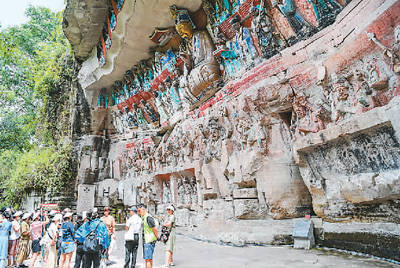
column 101, row 232
column 67, row 232
column 5, row 228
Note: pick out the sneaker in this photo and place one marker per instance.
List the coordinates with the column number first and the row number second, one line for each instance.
column 171, row 264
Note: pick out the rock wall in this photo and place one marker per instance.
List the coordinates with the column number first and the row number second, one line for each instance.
column 304, row 121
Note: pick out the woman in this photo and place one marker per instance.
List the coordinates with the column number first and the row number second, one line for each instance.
column 36, row 235
column 14, row 238
column 67, row 241
column 169, row 245
column 23, row 246
column 52, row 232
column 5, row 227
column 110, row 223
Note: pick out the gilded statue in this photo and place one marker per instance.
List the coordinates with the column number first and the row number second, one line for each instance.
column 199, row 47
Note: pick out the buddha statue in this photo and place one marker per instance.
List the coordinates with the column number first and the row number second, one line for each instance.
column 199, row 46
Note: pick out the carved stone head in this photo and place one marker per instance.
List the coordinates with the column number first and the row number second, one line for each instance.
column 235, row 22
column 183, row 22
column 342, row 89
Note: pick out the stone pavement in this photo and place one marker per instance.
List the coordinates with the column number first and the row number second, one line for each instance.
column 191, row 253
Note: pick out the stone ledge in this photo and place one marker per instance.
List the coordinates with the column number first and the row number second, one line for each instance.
column 386, row 115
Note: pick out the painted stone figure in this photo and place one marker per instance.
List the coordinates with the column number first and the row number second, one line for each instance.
column 139, row 116
column 154, row 117
column 172, row 91
column 302, row 28
column 342, row 105
column 131, row 118
column 306, row 117
column 325, row 11
column 160, row 107
column 262, row 26
column 362, row 91
column 200, row 47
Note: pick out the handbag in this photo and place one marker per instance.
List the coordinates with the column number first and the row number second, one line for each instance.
column 165, row 231
column 91, row 244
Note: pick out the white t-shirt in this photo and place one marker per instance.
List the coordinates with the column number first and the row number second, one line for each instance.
column 52, row 230
column 134, row 224
column 15, row 235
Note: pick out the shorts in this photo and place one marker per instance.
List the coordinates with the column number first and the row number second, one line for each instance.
column 149, row 250
column 36, row 247
column 67, row 247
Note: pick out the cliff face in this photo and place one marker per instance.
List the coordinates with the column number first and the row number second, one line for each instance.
column 258, row 112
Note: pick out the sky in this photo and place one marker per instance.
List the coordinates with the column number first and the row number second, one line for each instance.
column 13, row 13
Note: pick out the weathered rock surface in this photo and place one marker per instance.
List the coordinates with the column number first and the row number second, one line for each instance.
column 309, row 126
column 83, row 23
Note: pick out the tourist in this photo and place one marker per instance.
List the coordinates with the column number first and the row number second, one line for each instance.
column 36, row 235
column 67, row 241
column 169, row 245
column 52, row 236
column 79, row 255
column 99, row 229
column 133, row 227
column 5, row 227
column 23, row 245
column 14, row 238
column 150, row 235
column 110, row 223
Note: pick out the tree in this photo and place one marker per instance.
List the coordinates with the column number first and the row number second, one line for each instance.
column 35, row 67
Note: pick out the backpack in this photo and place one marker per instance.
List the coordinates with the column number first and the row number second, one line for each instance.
column 91, row 244
column 165, row 231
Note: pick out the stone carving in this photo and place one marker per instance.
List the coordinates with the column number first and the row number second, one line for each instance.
column 200, row 47
column 139, row 116
column 306, row 117
column 342, row 103
column 187, row 191
column 150, row 112
column 302, row 28
column 266, row 35
column 326, row 11
column 394, row 53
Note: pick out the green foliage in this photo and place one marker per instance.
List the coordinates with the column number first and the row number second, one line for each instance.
column 36, row 68
column 40, row 169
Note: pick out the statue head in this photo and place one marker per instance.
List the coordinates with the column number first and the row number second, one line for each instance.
column 299, row 105
column 235, row 22
column 183, row 23
column 117, row 83
column 342, row 89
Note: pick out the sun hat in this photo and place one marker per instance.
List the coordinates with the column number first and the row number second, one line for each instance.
column 52, row 213
column 57, row 217
column 171, row 207
column 68, row 215
column 18, row 213
column 133, row 208
column 26, row 215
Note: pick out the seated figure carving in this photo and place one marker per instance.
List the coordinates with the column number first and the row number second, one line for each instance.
column 200, row 47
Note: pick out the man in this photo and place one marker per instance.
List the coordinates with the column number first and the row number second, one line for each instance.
column 100, row 230
column 79, row 257
column 110, row 223
column 133, row 227
column 150, row 235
